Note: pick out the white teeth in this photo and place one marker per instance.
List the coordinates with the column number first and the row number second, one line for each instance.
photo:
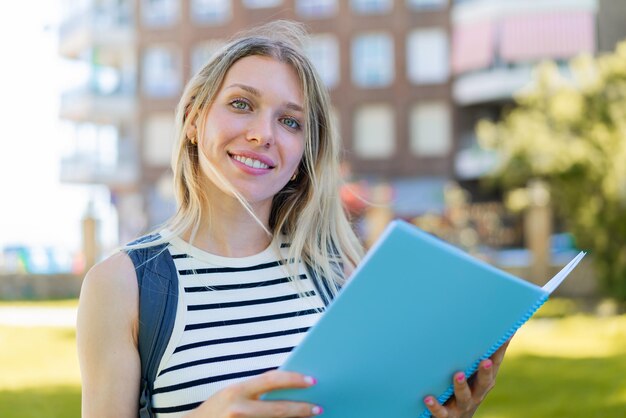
column 250, row 162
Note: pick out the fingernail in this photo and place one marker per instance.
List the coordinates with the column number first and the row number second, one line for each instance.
column 310, row 380
column 487, row 364
column 429, row 400
column 460, row 377
column 317, row 410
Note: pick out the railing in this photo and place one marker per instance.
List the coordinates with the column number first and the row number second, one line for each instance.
column 91, row 103
column 99, row 18
column 91, row 169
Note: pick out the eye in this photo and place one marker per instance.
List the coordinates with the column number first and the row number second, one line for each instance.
column 290, row 123
column 240, row 104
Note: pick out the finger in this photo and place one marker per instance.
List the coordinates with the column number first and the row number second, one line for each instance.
column 462, row 392
column 484, row 380
column 274, row 380
column 282, row 409
column 435, row 408
column 498, row 356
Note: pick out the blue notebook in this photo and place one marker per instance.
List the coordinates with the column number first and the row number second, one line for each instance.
column 415, row 311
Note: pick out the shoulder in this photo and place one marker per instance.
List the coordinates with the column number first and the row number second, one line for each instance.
column 110, row 291
column 115, row 274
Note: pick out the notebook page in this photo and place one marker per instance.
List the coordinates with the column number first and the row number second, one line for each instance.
column 561, row 275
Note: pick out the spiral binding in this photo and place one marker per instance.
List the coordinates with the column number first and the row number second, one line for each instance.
column 470, row 370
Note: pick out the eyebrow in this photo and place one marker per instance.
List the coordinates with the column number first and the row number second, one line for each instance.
column 257, row 93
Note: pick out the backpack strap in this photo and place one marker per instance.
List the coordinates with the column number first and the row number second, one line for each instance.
column 157, row 279
column 321, row 286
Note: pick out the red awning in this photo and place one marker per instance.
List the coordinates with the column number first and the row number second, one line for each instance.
column 533, row 37
column 472, row 46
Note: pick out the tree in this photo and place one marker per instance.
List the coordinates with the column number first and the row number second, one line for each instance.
column 570, row 131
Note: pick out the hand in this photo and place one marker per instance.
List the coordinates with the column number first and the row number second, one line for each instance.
column 466, row 399
column 242, row 399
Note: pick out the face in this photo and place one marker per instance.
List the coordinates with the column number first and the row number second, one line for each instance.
column 254, row 130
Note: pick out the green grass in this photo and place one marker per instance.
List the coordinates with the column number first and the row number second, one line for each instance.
column 558, row 366
column 531, row 386
column 39, row 374
column 58, row 401
column 59, row 303
column 571, row 367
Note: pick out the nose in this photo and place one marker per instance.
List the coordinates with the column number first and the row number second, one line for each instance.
column 261, row 130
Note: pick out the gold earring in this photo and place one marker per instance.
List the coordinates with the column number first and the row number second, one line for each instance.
column 293, row 177
column 194, row 140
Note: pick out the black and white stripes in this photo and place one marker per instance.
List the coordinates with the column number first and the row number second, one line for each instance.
column 237, row 318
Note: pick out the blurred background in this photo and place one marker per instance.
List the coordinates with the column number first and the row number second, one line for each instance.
column 498, row 125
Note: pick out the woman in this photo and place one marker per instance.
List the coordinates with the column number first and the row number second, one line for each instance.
column 256, row 172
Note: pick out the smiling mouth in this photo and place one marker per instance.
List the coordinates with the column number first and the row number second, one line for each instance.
column 250, row 162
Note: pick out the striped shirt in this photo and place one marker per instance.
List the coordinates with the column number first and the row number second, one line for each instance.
column 236, row 318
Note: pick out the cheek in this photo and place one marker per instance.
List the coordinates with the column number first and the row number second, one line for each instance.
column 297, row 153
column 209, row 138
column 219, row 128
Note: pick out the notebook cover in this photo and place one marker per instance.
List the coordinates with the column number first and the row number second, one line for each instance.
column 415, row 311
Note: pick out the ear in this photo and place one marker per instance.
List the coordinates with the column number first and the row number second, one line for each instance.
column 191, row 131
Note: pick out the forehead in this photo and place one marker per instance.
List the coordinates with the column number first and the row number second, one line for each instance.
column 272, row 78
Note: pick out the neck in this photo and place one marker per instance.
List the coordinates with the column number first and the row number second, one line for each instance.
column 232, row 231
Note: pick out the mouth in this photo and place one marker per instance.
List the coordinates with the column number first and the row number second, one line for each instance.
column 250, row 162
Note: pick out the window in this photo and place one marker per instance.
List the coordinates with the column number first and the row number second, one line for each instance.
column 109, row 14
column 105, row 80
column 160, row 12
column 161, row 201
column 316, row 8
column 371, row 6
column 97, row 145
column 427, row 56
column 261, row 4
column 211, row 11
column 161, row 72
column 431, row 130
column 202, row 52
column 158, row 134
column 374, row 131
column 323, row 51
column 372, row 60
column 427, row 4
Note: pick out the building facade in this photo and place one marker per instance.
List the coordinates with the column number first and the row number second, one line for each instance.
column 386, row 64
column 407, row 78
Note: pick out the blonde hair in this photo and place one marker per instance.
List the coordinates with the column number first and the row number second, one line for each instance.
column 308, row 209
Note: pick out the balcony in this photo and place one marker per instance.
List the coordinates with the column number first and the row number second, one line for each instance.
column 474, row 162
column 103, row 26
column 89, row 104
column 492, row 85
column 84, row 168
column 498, row 84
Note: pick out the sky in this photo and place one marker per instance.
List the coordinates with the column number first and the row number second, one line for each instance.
column 35, row 208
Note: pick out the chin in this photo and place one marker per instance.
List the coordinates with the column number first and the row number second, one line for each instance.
column 254, row 199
